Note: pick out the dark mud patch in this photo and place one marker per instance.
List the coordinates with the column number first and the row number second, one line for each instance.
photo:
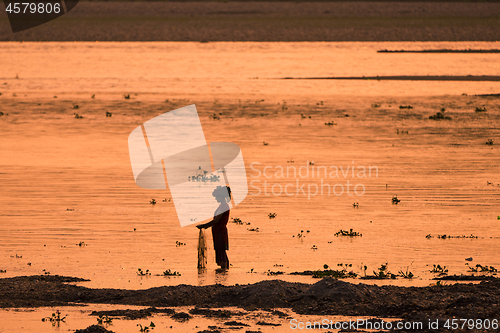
column 466, row 278
column 327, row 296
column 133, row 314
column 209, row 313
column 94, row 329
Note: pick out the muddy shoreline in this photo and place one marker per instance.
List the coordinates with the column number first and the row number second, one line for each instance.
column 327, row 296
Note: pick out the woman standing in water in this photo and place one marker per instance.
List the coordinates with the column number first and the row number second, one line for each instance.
column 219, row 230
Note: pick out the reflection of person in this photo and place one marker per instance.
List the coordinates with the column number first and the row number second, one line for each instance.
column 218, row 224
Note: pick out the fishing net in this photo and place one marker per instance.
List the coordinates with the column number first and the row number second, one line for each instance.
column 202, row 250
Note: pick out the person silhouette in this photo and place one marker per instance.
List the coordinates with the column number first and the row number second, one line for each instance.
column 219, row 226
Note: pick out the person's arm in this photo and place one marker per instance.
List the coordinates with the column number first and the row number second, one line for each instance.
column 211, row 223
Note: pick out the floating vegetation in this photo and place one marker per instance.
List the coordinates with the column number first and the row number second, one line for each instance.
column 265, row 143
column 481, row 269
column 277, row 265
column 238, row 221
column 272, row 215
column 440, row 271
column 478, row 109
column 93, row 96
column 215, row 117
column 166, row 200
column 108, row 114
column 375, row 105
column 147, row 327
column 471, row 236
column 336, row 274
column 406, row 107
column 254, row 229
column 81, row 244
column 270, row 272
column 383, row 273
column 283, row 106
column 153, row 202
column 168, row 272
column 314, row 247
column 331, row 123
column 55, row 318
column 401, row 132
column 75, row 106
column 77, row 116
column 201, row 176
column 355, row 205
column 440, row 116
column 104, row 319
column 3, row 271
column 489, row 142
column 127, row 96
column 498, row 217
column 406, row 274
column 177, row 244
column 301, row 234
column 395, row 200
column 346, row 233
column 143, row 273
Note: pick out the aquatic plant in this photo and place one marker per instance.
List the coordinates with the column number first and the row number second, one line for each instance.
column 81, row 244
column 93, row 96
column 127, row 96
column 314, row 247
column 270, row 272
column 481, row 269
column 395, row 200
column 265, row 143
column 440, row 116
column 498, row 217
column 355, row 205
column 75, row 106
column 478, row 109
column 143, row 273
column 153, row 202
column 336, row 274
column 406, row 274
column 331, row 123
column 471, row 236
column 375, row 105
column 55, row 318
column 489, row 142
column 406, row 107
column 383, row 272
column 77, row 116
column 108, row 114
column 437, row 269
column 177, row 244
column 168, row 272
column 104, row 319
column 146, row 328
column 272, row 215
column 254, row 229
column 346, row 233
column 3, row 271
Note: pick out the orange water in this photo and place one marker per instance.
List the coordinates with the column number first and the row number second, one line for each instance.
column 51, row 162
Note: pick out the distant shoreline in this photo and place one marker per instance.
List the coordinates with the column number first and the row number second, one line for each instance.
column 283, row 21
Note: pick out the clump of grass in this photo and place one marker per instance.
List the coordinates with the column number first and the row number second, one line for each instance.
column 93, row 96
column 270, row 272
column 55, row 318
column 489, row 142
column 383, row 272
column 346, row 233
column 147, row 327
column 406, row 107
column 3, row 271
column 395, row 200
column 254, row 229
column 272, row 215
column 331, row 123
column 177, row 244
column 375, row 105
column 140, row 272
column 81, row 244
column 336, row 274
column 406, row 274
column 127, row 96
column 108, row 114
column 439, row 270
column 301, row 234
column 104, row 320
column 78, row 116
column 478, row 109
column 440, row 116
column 314, row 247
column 75, row 106
column 471, row 236
column 153, row 202
column 265, row 143
column 355, row 205
column 168, row 272
column 238, row 221
column 481, row 269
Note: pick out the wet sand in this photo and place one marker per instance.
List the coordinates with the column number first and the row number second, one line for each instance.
column 268, row 21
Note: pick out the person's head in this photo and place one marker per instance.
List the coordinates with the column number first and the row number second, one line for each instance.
column 221, row 194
